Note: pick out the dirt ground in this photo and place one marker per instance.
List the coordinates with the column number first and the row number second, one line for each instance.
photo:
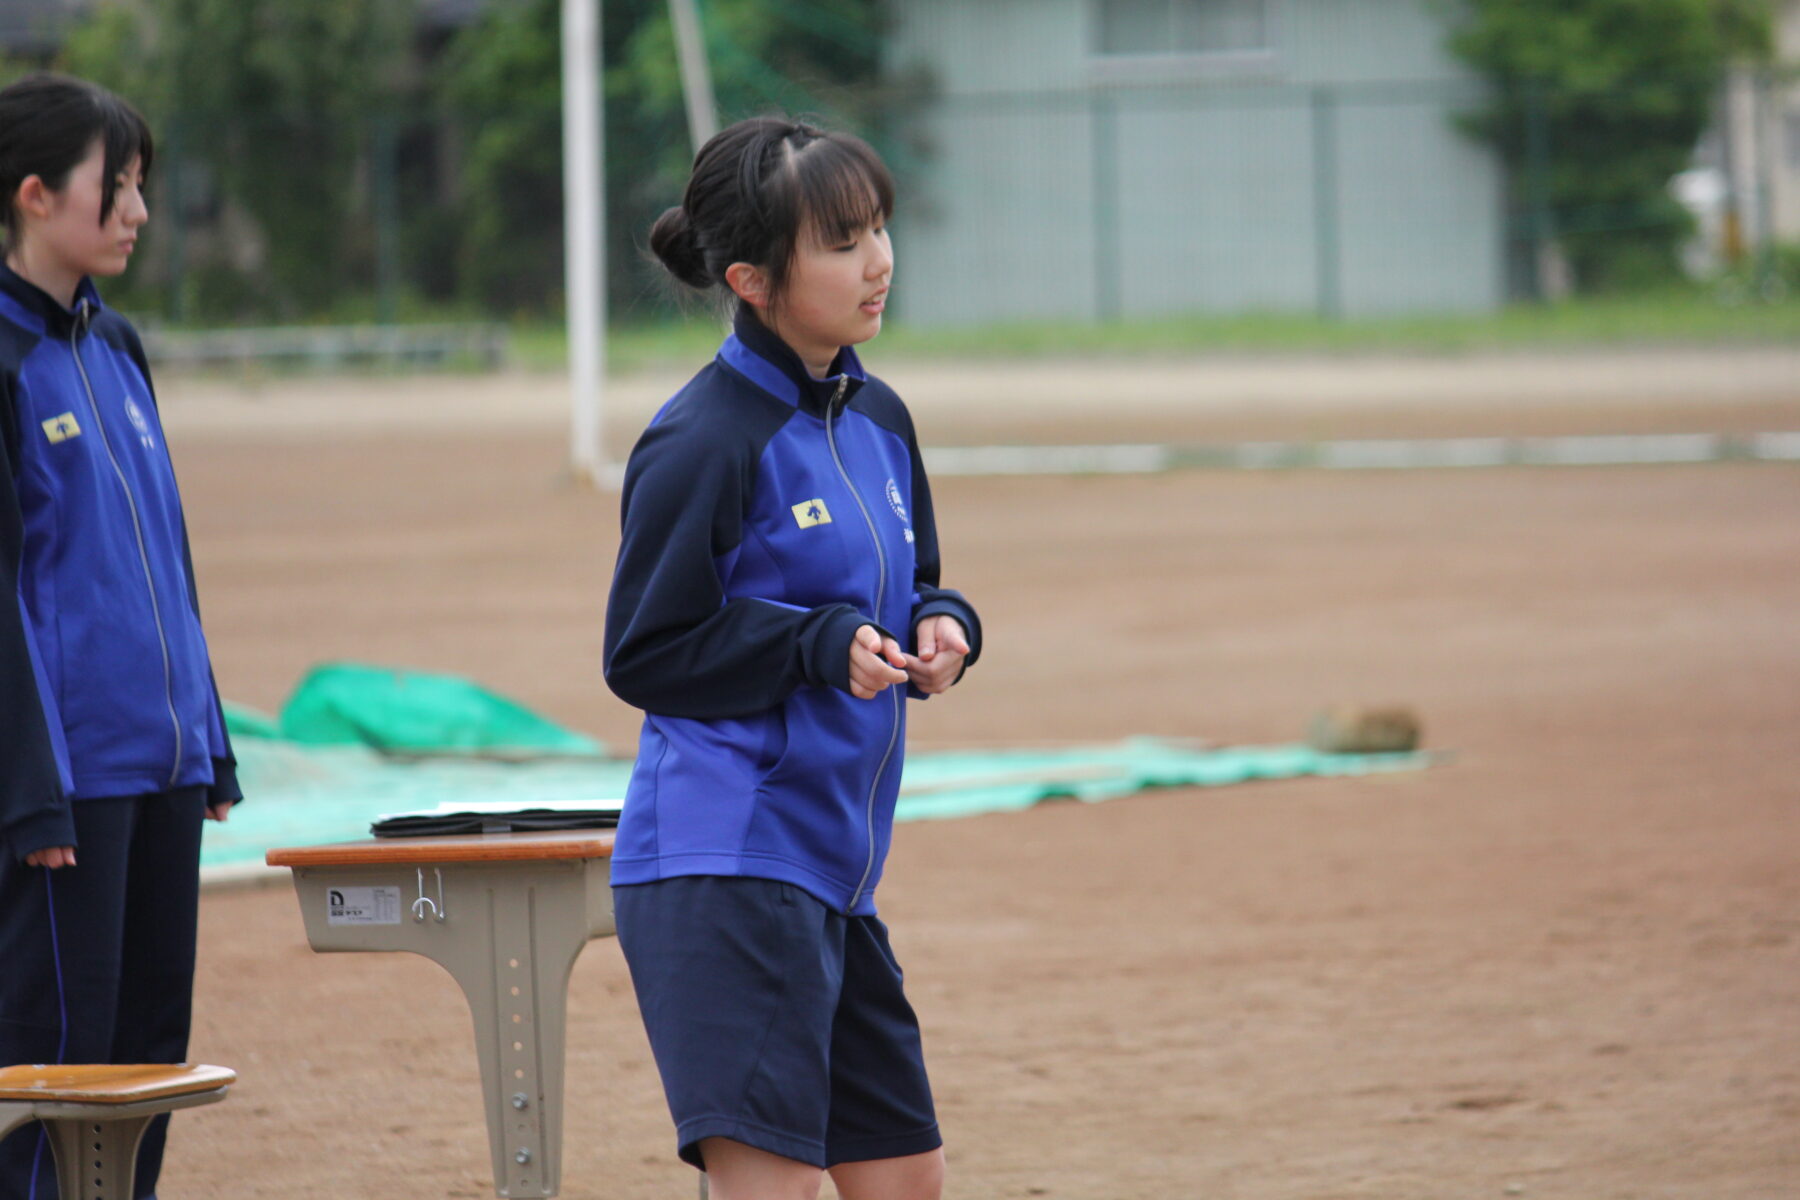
column 1563, row 964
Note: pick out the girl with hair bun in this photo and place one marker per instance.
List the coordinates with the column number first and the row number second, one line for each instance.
column 112, row 742
column 775, row 601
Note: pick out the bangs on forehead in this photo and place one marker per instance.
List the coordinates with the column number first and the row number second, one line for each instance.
column 125, row 136
column 843, row 188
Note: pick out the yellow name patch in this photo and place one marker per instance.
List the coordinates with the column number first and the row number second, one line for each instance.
column 811, row 512
column 61, row 429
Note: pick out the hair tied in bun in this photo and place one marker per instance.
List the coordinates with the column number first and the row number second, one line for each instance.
column 672, row 240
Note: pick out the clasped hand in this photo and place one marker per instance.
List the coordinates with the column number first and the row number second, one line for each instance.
column 877, row 662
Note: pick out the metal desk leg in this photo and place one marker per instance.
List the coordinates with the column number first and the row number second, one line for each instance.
column 14, row 1113
column 95, row 1145
column 111, row 1146
column 509, row 934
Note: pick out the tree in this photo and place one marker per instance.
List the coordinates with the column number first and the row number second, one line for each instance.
column 288, row 112
column 502, row 77
column 272, row 98
column 1596, row 105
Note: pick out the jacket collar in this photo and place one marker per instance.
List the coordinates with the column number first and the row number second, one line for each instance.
column 45, row 309
column 754, row 352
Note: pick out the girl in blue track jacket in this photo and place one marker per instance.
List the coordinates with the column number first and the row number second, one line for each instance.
column 776, row 599
column 112, row 742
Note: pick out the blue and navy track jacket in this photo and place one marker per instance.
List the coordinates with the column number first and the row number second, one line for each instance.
column 106, row 688
column 767, row 515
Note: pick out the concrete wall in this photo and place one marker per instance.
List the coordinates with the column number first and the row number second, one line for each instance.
column 1321, row 174
column 1784, row 137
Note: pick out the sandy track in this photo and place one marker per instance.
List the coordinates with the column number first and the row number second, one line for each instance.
column 1565, row 962
column 1728, row 389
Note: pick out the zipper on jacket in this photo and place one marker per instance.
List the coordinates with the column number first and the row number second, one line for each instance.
column 832, row 411
column 82, row 317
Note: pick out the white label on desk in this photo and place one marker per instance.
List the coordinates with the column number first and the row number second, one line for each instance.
column 362, row 906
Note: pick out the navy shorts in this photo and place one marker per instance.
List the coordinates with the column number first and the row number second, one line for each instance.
column 775, row 1020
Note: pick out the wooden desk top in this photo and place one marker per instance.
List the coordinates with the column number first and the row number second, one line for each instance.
column 91, row 1083
column 424, row 851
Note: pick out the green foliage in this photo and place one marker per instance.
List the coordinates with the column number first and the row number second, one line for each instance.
column 275, row 120
column 502, row 78
column 1596, row 105
column 272, row 100
column 1748, row 312
column 1770, row 276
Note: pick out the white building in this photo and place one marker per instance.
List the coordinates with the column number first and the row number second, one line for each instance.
column 1128, row 158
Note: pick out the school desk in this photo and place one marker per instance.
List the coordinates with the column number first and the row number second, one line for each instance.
column 505, row 914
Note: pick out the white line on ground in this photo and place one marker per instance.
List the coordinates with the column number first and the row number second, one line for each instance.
column 1368, row 454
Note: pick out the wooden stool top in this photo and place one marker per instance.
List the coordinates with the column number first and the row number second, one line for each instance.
column 485, row 847
column 103, row 1083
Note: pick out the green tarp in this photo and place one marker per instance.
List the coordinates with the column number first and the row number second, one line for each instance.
column 305, row 795
column 408, row 712
column 356, row 743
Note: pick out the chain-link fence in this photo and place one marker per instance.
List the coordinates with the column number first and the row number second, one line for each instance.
column 1106, row 203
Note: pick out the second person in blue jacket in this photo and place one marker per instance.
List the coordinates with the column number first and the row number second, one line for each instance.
column 113, row 745
column 776, row 599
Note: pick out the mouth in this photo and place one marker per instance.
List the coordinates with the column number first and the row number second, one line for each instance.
column 874, row 304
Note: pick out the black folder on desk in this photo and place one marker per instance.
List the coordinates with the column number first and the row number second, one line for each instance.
column 532, row 819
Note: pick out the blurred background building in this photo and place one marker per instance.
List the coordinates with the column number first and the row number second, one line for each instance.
column 33, row 30
column 1756, row 140
column 1072, row 160
column 1124, row 158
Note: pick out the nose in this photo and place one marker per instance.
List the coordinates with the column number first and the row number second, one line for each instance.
column 881, row 262
column 134, row 211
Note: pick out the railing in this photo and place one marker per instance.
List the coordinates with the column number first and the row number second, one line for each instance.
column 327, row 347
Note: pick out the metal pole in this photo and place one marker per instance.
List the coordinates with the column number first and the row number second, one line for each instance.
column 177, row 223
column 1731, row 233
column 1537, row 177
column 584, row 253
column 384, row 165
column 1108, row 251
column 1327, row 267
column 1762, row 132
column 696, row 75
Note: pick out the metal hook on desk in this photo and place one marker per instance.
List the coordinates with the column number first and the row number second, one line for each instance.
column 425, row 904
column 422, row 904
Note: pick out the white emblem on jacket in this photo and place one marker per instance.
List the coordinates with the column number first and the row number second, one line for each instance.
column 893, row 499
column 139, row 423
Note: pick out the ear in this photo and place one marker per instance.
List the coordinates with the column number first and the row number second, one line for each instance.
column 749, row 282
column 33, row 197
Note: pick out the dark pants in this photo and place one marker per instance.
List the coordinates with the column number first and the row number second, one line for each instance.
column 97, row 960
column 775, row 1021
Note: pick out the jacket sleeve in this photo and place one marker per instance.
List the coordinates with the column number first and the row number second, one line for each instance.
column 224, row 788
column 928, row 598
column 675, row 645
column 35, row 784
